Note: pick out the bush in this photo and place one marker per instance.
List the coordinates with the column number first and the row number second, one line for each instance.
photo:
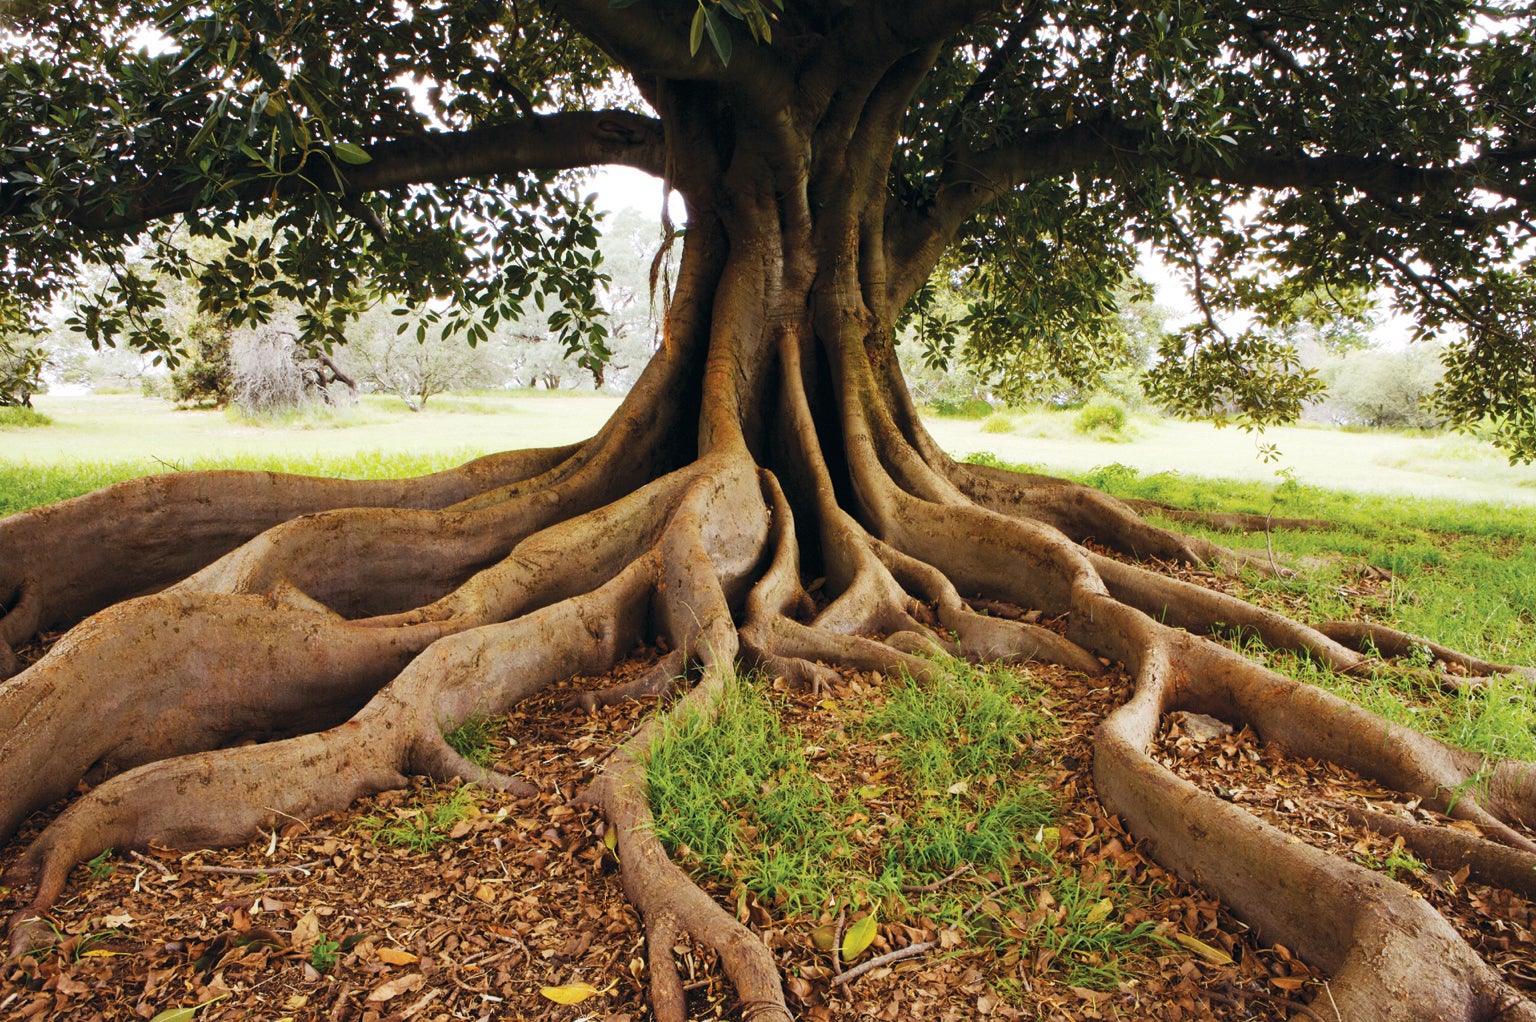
column 1102, row 414
column 997, row 422
column 969, row 408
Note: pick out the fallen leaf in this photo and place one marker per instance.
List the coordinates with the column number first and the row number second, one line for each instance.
column 859, row 936
column 823, row 936
column 174, row 1015
column 395, row 987
column 1288, row 983
column 306, row 934
column 395, row 956
column 1215, row 956
column 574, row 993
column 1099, row 912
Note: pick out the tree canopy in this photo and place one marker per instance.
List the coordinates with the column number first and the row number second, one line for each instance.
column 1267, row 151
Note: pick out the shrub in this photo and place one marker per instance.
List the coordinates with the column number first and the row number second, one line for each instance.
column 1384, row 389
column 205, row 379
column 997, row 422
column 969, row 408
column 1102, row 414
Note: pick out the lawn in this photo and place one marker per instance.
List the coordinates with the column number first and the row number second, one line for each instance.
column 111, row 437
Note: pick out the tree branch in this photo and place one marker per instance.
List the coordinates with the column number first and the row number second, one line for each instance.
column 974, row 178
column 646, row 42
column 558, row 141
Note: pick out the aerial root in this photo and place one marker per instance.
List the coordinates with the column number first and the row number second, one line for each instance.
column 1449, row 849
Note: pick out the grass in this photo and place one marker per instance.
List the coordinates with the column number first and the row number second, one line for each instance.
column 21, row 417
column 422, row 824
column 475, row 739
column 25, row 484
column 900, row 791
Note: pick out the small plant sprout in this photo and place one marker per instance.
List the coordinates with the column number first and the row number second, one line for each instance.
column 323, row 955
column 101, row 866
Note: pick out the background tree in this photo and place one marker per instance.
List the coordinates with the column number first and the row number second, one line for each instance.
column 385, row 353
column 22, row 358
column 206, row 375
column 829, row 154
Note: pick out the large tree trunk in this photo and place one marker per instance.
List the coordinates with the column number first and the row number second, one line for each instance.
column 770, row 441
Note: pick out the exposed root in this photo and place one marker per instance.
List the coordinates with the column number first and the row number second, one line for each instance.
column 1451, row 850
column 1391, row 956
column 70, row 559
column 1230, row 521
column 1368, row 636
column 669, row 900
column 348, row 641
column 657, row 680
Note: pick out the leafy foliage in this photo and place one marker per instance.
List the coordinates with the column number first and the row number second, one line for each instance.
column 1269, row 153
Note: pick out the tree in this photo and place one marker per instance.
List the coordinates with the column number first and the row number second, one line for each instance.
column 206, row 379
column 829, row 155
column 411, row 368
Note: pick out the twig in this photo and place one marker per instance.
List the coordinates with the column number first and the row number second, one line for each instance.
column 1327, row 990
column 164, row 870
column 837, row 942
column 965, row 867
column 910, row 951
column 253, row 871
column 913, row 950
column 1268, row 546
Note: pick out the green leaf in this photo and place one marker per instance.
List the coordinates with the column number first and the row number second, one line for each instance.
column 346, row 152
column 859, row 936
column 719, row 34
column 175, row 1015
column 696, row 32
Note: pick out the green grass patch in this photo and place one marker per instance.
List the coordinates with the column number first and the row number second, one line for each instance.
column 423, row 823
column 26, row 484
column 901, row 790
column 736, row 795
column 475, row 739
column 21, row 417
